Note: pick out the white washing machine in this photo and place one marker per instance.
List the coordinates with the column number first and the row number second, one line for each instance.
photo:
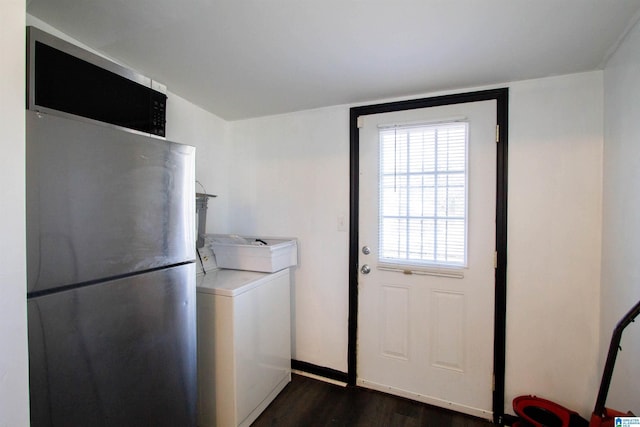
column 244, row 342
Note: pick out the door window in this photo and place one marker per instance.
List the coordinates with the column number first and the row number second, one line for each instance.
column 423, row 194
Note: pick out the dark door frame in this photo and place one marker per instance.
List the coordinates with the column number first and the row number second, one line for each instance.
column 502, row 118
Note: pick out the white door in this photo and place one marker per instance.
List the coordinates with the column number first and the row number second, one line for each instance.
column 426, row 255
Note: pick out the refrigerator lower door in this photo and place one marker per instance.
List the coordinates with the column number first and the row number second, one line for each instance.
column 120, row 353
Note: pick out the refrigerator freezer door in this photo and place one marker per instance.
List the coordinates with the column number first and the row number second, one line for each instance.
column 102, row 203
column 120, row 353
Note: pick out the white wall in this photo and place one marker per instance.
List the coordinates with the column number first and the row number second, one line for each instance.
column 14, row 403
column 621, row 224
column 291, row 177
column 189, row 124
column 554, row 239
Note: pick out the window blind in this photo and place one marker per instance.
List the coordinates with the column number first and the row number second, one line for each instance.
column 423, row 194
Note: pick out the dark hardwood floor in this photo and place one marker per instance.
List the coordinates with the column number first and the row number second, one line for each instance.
column 307, row 402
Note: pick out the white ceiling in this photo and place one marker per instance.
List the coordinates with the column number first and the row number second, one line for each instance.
column 250, row 58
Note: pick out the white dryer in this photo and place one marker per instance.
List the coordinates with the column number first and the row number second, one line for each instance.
column 244, row 343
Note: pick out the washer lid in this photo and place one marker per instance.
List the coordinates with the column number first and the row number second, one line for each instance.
column 232, row 282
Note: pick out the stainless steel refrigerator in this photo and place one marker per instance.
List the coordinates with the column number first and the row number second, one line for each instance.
column 111, row 276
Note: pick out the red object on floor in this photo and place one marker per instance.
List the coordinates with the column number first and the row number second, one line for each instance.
column 539, row 412
column 607, row 419
column 543, row 413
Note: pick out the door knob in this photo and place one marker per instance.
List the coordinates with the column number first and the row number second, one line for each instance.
column 365, row 269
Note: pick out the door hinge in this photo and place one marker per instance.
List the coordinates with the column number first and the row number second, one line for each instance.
column 495, row 259
column 497, row 133
column 360, row 122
